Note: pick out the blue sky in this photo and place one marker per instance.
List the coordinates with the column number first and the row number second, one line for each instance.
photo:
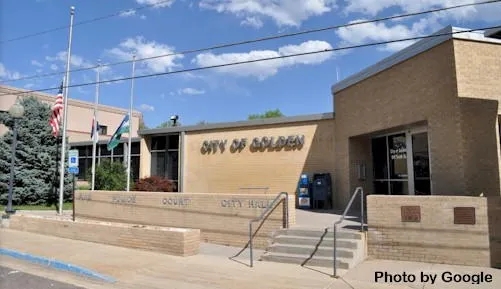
column 295, row 86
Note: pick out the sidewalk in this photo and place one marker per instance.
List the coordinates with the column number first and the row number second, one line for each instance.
column 210, row 269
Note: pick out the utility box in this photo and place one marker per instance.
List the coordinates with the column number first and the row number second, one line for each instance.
column 304, row 199
column 322, row 191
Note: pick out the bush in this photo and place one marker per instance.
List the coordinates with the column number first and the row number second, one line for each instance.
column 155, row 184
column 110, row 176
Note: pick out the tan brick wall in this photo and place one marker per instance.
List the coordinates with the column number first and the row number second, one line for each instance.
column 80, row 114
column 222, row 218
column 227, row 172
column 435, row 239
column 478, row 69
column 494, row 213
column 419, row 90
column 173, row 241
column 479, row 123
column 145, row 157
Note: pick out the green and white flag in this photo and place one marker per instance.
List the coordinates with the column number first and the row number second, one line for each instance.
column 115, row 138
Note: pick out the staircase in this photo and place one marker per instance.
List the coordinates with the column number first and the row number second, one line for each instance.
column 314, row 247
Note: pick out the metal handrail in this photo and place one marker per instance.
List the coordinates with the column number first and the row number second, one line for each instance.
column 357, row 190
column 261, row 217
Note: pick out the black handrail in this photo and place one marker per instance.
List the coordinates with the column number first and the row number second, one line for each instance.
column 261, row 217
column 357, row 190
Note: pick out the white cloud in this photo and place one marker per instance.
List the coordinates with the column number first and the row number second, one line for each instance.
column 161, row 3
column 486, row 12
column 146, row 107
column 29, row 85
column 191, row 91
column 76, row 60
column 142, row 17
column 144, row 49
column 252, row 21
column 53, row 66
column 36, row 63
column 7, row 74
column 283, row 12
column 381, row 32
column 128, row 13
column 265, row 69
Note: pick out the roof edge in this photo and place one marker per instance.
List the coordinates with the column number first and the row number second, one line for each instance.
column 238, row 124
column 72, row 101
column 398, row 57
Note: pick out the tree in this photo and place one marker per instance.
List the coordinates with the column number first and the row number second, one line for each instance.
column 169, row 123
column 267, row 114
column 36, row 172
column 110, row 176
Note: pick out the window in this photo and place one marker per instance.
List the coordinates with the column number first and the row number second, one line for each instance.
column 164, row 156
column 103, row 130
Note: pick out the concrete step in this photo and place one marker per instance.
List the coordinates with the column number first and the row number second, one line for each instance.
column 318, row 233
column 308, row 250
column 304, row 260
column 314, row 241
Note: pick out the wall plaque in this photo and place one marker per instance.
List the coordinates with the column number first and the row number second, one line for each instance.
column 464, row 215
column 411, row 213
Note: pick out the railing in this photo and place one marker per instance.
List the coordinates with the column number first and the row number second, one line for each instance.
column 357, row 190
column 261, row 217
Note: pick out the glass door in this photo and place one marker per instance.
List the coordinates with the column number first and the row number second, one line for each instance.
column 401, row 164
column 421, row 164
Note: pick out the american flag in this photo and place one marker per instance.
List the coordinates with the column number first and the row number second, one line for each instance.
column 57, row 110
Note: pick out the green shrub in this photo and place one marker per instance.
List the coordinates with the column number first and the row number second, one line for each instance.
column 110, row 176
column 155, row 184
column 83, row 187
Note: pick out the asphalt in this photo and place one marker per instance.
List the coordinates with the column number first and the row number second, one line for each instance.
column 14, row 279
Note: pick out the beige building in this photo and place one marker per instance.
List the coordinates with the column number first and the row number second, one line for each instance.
column 424, row 121
column 80, row 115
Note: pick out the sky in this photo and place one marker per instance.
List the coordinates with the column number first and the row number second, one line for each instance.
column 296, row 86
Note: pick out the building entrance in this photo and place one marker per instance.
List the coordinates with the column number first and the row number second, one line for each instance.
column 401, row 164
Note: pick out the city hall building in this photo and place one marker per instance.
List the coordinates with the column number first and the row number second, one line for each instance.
column 424, row 121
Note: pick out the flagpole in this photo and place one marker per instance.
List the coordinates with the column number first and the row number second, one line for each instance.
column 130, row 120
column 95, row 128
column 65, row 114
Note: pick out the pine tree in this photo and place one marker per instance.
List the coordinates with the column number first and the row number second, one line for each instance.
column 36, row 178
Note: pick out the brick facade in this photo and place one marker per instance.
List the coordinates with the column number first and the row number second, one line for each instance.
column 452, row 90
column 279, row 170
column 435, row 238
column 222, row 218
column 173, row 241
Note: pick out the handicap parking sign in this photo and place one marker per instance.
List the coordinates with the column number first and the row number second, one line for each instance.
column 73, row 170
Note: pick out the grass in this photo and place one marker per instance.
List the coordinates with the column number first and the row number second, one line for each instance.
column 66, row 206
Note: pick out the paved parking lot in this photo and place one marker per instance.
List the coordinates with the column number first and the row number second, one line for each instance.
column 14, row 279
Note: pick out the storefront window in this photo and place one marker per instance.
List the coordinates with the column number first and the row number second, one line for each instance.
column 398, row 156
column 164, row 156
column 85, row 158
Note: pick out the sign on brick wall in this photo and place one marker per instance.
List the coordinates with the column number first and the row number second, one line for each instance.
column 411, row 214
column 464, row 216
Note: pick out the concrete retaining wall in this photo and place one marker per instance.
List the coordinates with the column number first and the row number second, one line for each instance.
column 173, row 241
column 222, row 218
